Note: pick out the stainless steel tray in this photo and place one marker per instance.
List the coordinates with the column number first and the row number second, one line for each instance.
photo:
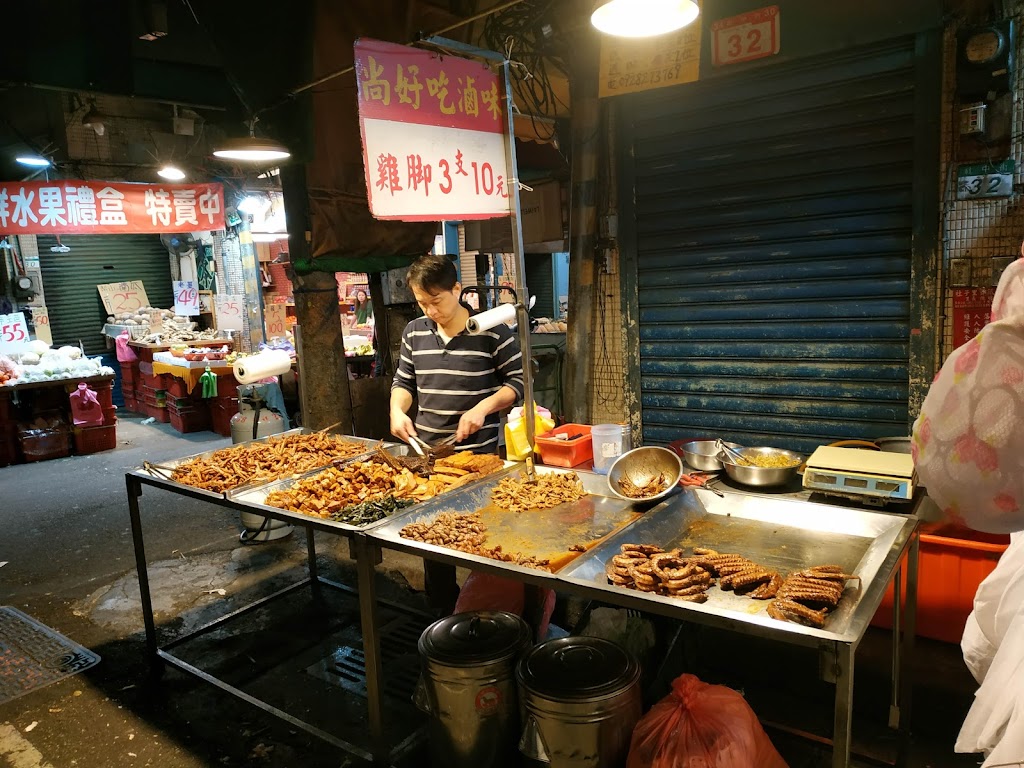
column 780, row 534
column 160, row 477
column 541, row 533
column 254, row 498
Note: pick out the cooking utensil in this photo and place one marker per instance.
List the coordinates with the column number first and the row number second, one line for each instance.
column 730, row 452
column 703, row 454
column 761, row 476
column 419, row 446
column 894, row 444
column 642, row 466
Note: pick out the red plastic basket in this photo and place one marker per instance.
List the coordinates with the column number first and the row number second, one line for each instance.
column 52, row 444
column 566, row 453
column 190, row 419
column 95, row 439
column 160, row 414
column 221, row 411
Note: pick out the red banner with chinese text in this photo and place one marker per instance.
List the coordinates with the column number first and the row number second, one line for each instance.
column 433, row 130
column 70, row 207
column 972, row 309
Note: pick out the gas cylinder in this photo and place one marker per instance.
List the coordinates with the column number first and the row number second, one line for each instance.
column 253, row 420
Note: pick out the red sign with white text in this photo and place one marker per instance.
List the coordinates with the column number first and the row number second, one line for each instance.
column 67, row 206
column 433, row 131
column 746, row 37
column 972, row 309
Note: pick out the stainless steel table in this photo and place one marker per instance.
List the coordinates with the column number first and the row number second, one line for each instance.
column 781, row 533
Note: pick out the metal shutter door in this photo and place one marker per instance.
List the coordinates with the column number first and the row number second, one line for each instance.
column 773, row 230
column 70, row 280
column 540, row 282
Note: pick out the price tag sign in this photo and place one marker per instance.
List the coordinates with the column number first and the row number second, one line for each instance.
column 186, row 298
column 13, row 331
column 129, row 296
column 274, row 315
column 983, row 180
column 228, row 309
column 41, row 321
column 746, row 37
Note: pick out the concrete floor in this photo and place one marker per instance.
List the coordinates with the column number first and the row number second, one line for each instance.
column 70, row 564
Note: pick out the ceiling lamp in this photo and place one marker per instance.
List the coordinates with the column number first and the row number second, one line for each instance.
column 93, row 119
column 171, row 173
column 33, row 161
column 643, row 18
column 252, row 149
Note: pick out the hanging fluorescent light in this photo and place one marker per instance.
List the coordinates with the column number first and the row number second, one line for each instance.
column 643, row 18
column 252, row 150
column 171, row 173
column 33, row 161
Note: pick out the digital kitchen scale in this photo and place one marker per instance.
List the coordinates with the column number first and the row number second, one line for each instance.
column 872, row 477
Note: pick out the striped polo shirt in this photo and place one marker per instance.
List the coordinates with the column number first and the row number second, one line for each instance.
column 449, row 379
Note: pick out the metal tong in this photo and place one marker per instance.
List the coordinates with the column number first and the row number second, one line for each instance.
column 737, row 458
column 422, row 447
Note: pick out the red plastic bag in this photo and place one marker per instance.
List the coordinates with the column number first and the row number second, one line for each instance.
column 484, row 592
column 701, row 726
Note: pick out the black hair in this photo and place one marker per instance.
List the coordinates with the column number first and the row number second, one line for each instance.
column 432, row 273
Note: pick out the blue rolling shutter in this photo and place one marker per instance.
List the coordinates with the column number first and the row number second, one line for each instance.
column 773, row 217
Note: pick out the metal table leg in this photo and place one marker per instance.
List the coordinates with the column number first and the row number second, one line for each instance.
column 907, row 650
column 314, row 579
column 367, row 556
column 843, row 724
column 134, row 493
column 897, row 641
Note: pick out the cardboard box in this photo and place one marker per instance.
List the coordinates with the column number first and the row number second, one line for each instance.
column 541, row 220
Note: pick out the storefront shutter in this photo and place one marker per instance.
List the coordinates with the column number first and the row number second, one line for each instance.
column 773, row 217
column 540, row 282
column 70, row 280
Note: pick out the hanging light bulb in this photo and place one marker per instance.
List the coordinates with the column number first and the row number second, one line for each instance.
column 643, row 18
column 171, row 173
column 252, row 149
column 93, row 119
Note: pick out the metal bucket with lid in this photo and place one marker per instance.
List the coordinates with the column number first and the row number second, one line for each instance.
column 580, row 699
column 468, row 688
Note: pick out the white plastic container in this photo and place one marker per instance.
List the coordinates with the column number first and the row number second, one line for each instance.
column 607, row 439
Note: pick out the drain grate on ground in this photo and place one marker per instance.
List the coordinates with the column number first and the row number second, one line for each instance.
column 33, row 656
column 346, row 665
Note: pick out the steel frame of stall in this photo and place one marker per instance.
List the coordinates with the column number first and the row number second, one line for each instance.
column 837, row 658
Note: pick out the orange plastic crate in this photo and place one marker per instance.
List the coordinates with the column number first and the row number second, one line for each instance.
column 566, row 453
column 953, row 562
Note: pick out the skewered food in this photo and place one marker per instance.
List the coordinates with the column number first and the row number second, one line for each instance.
column 652, row 488
column 264, row 461
column 549, row 490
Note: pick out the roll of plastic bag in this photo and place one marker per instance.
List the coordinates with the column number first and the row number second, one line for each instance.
column 484, row 321
column 271, row 362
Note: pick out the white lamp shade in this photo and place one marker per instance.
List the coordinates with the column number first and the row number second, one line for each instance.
column 253, row 150
column 643, row 18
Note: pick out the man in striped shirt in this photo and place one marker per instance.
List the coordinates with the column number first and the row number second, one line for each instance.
column 462, row 382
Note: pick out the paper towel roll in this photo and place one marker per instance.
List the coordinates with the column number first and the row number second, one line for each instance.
column 270, row 362
column 506, row 313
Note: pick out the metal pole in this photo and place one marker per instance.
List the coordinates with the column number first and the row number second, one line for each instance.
column 894, row 701
column 523, row 307
column 366, row 557
column 842, row 727
column 134, row 492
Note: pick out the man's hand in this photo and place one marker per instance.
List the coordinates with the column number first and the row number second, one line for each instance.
column 471, row 421
column 402, row 426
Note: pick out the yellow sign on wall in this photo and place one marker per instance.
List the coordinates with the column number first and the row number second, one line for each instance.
column 629, row 66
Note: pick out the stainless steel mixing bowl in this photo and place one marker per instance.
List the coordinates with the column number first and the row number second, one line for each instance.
column 761, row 476
column 641, row 466
column 703, row 454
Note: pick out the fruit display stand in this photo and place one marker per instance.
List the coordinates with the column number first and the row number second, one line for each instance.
column 24, row 404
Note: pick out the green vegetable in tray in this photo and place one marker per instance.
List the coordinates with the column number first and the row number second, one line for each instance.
column 370, row 511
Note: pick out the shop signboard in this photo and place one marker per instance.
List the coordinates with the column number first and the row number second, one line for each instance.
column 71, row 206
column 186, row 298
column 632, row 65
column 129, row 296
column 228, row 309
column 275, row 316
column 41, row 322
column 13, row 332
column 972, row 308
column 433, row 131
column 747, row 37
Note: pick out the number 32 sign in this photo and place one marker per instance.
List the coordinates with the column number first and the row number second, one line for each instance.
column 746, row 37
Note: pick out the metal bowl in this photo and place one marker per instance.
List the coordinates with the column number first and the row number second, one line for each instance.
column 761, row 476
column 641, row 466
column 703, row 454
